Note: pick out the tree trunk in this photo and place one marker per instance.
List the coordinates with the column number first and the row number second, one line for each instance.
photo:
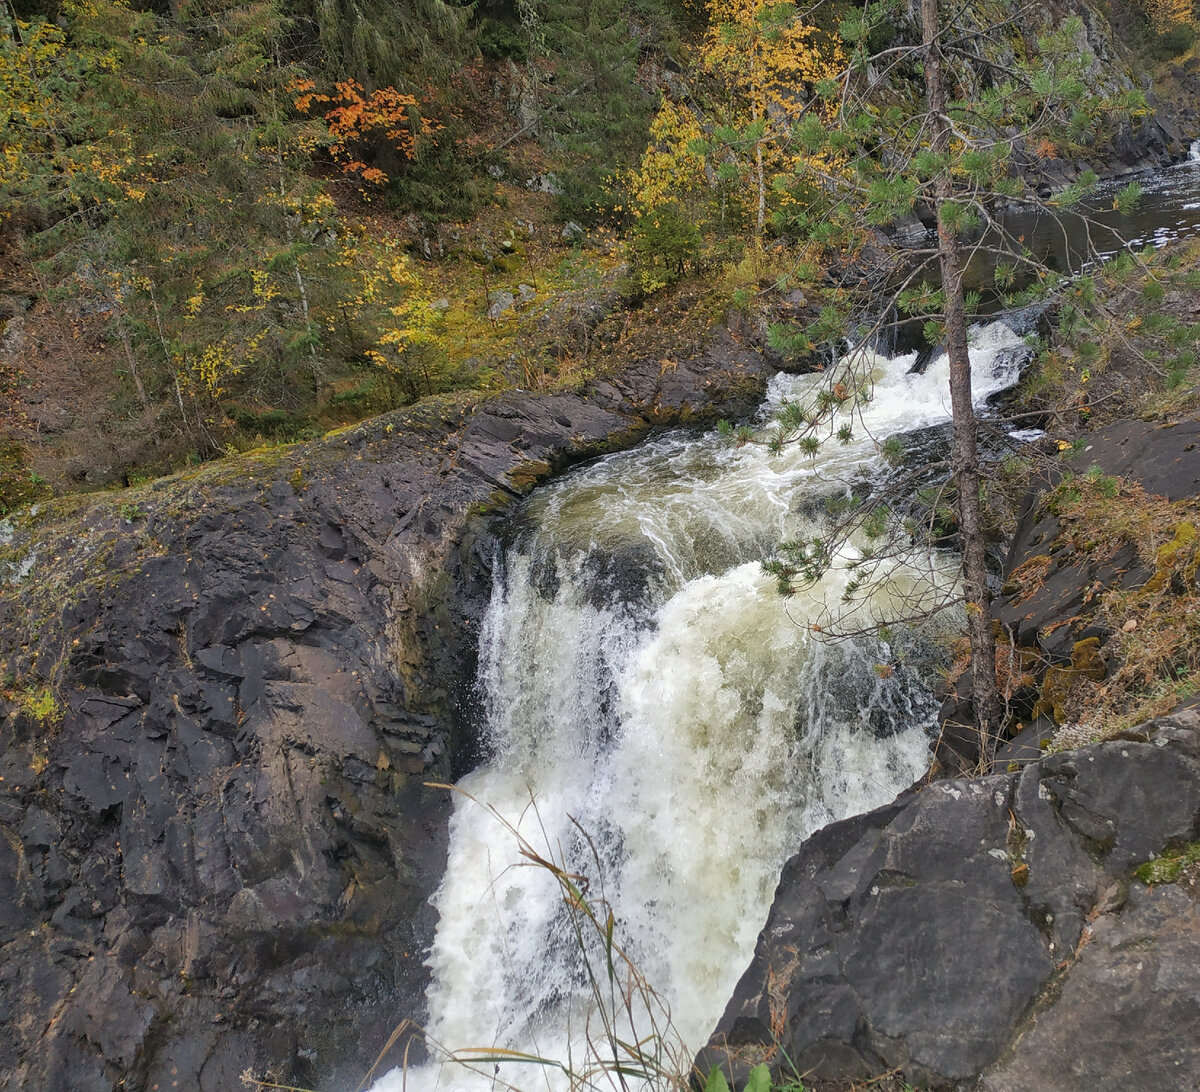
column 988, row 706
column 127, row 345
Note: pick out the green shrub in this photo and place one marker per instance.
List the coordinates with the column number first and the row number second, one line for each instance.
column 20, row 485
column 662, row 246
column 41, row 704
column 1171, row 43
column 273, row 424
column 498, row 40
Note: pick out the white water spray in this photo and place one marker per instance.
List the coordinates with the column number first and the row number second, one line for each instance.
column 1194, row 151
column 643, row 679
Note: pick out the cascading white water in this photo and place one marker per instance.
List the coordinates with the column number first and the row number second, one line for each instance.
column 1194, row 151
column 644, row 680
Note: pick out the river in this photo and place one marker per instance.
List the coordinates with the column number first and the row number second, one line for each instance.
column 668, row 728
column 1169, row 209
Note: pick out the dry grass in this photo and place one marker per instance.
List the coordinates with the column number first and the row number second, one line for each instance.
column 1150, row 661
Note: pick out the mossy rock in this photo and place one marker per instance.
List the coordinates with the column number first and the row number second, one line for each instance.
column 1167, row 867
column 524, row 477
column 507, row 262
column 1177, row 556
column 1087, row 664
column 1086, row 659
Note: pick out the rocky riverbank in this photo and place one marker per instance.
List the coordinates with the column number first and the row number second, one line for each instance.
column 224, row 694
column 1036, row 928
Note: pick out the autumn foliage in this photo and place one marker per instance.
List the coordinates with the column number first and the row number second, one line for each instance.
column 359, row 121
column 1165, row 14
column 761, row 63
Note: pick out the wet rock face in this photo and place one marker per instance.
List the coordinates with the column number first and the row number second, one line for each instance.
column 985, row 933
column 216, row 848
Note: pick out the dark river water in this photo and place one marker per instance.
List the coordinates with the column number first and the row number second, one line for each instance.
column 1069, row 241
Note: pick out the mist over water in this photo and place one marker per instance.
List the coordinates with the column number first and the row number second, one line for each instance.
column 653, row 704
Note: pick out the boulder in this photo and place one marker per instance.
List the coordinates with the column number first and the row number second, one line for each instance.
column 500, row 301
column 988, row 933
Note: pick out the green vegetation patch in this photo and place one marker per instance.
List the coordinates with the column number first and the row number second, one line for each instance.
column 40, row 703
column 1168, row 867
column 20, row 485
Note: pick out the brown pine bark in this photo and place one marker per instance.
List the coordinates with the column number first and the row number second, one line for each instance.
column 988, row 706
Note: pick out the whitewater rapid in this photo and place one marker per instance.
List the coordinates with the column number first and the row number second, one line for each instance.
column 663, row 722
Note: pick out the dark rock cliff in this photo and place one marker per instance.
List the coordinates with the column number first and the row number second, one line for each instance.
column 226, row 692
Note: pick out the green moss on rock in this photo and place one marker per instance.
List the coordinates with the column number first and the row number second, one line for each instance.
column 1087, row 663
column 1168, row 867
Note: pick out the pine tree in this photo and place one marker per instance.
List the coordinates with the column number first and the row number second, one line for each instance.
column 942, row 124
column 986, row 697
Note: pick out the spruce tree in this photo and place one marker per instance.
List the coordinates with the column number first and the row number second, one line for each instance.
column 597, row 113
column 381, row 43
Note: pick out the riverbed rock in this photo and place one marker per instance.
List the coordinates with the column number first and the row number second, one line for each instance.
column 988, row 933
column 224, row 695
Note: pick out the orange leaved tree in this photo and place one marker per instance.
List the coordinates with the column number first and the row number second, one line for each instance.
column 365, row 128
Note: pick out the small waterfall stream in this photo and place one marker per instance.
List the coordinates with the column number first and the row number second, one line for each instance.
column 671, row 717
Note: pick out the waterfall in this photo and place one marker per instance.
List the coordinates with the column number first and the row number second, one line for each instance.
column 656, row 708
column 1194, row 151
